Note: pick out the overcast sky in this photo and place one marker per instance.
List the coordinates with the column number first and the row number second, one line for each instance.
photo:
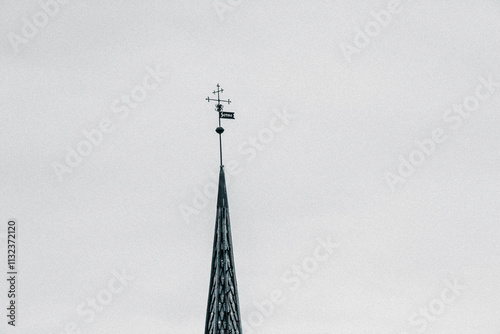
column 362, row 167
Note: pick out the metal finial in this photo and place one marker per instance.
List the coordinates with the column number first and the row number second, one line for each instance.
column 222, row 114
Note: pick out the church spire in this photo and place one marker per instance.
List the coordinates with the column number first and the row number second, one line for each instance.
column 223, row 309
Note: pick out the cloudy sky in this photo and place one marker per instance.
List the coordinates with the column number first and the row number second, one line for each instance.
column 362, row 168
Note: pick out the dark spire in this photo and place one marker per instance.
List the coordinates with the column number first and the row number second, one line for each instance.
column 222, row 194
column 223, row 308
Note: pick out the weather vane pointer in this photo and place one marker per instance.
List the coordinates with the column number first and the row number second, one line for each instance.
column 222, row 114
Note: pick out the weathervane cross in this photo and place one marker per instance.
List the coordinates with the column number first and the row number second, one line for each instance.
column 222, row 114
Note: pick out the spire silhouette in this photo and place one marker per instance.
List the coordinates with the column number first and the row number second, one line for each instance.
column 223, row 308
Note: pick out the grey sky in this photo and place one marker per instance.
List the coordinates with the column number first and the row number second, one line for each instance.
column 320, row 173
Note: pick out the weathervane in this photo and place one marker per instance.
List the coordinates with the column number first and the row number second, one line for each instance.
column 222, row 114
